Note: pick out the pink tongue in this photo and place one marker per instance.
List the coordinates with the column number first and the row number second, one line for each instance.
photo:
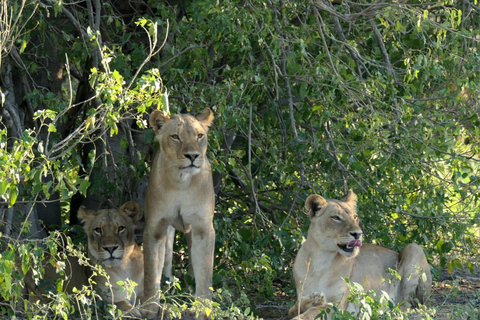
column 355, row 243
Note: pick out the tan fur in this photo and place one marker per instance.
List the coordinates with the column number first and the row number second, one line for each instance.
column 321, row 264
column 180, row 195
column 111, row 244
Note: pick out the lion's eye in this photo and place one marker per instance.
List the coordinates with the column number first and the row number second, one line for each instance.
column 336, row 218
column 98, row 231
column 200, row 136
column 175, row 137
column 121, row 229
column 355, row 217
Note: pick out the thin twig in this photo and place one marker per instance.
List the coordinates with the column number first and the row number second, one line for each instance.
column 320, row 24
column 352, row 52
column 333, row 154
column 151, row 53
column 254, row 193
column 286, row 79
column 383, row 49
column 369, row 7
column 75, row 22
column 166, row 63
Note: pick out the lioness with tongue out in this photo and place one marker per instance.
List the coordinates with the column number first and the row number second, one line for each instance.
column 334, row 250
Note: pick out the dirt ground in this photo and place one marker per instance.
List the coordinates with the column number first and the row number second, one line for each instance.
column 456, row 293
column 454, row 296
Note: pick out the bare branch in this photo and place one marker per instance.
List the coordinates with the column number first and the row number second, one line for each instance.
column 75, row 22
column 226, row 147
column 9, row 29
column 254, row 192
column 151, row 53
column 98, row 14
column 286, row 79
column 320, row 24
column 383, row 49
column 352, row 52
column 16, row 129
column 166, row 63
column 333, row 154
column 13, row 122
column 369, row 7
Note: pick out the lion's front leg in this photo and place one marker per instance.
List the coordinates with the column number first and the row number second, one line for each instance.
column 167, row 269
column 202, row 251
column 309, row 307
column 154, row 256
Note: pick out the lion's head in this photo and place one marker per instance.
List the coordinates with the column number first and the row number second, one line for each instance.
column 183, row 138
column 110, row 233
column 335, row 224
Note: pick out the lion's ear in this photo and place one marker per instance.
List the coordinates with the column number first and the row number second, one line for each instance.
column 132, row 210
column 314, row 204
column 85, row 215
column 206, row 117
column 157, row 119
column 351, row 199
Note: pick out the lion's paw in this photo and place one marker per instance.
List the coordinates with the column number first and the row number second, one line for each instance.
column 134, row 312
column 310, row 314
column 150, row 310
column 317, row 299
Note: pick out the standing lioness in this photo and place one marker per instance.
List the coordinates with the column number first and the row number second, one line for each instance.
column 180, row 195
column 334, row 251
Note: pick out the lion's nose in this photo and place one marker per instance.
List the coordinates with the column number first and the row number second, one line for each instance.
column 191, row 156
column 110, row 249
column 356, row 235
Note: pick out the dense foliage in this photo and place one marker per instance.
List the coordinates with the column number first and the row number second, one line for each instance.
column 309, row 96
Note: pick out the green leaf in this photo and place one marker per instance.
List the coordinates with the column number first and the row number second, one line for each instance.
column 13, row 196
column 52, row 128
column 83, row 187
column 153, row 30
column 3, row 187
column 57, row 7
column 23, row 46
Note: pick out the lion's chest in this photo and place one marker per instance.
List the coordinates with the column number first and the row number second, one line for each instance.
column 120, row 275
column 184, row 202
column 182, row 208
column 317, row 272
column 330, row 280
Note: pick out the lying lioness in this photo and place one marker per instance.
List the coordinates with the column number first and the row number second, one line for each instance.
column 334, row 251
column 111, row 244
